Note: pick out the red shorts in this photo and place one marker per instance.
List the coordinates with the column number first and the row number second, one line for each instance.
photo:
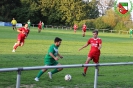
column 84, row 30
column 39, row 27
column 21, row 38
column 75, row 28
column 94, row 57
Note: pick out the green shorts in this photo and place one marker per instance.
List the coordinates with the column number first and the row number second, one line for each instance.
column 51, row 63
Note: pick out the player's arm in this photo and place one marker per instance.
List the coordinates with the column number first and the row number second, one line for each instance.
column 100, row 46
column 51, row 54
column 60, row 55
column 27, row 32
column 84, row 46
column 19, row 30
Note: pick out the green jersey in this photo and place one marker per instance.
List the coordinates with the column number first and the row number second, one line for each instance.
column 42, row 25
column 130, row 31
column 48, row 60
column 28, row 23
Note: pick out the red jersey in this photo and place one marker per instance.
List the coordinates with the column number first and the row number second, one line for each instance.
column 75, row 27
column 40, row 25
column 94, row 44
column 84, row 27
column 24, row 32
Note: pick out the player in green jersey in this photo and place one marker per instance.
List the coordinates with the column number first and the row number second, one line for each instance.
column 130, row 32
column 42, row 25
column 29, row 23
column 51, row 59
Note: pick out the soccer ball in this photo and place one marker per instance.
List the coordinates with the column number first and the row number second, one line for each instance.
column 68, row 77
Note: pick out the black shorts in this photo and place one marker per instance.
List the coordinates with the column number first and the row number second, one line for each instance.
column 14, row 25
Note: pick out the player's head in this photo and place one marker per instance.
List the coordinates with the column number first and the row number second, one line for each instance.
column 57, row 41
column 26, row 25
column 95, row 33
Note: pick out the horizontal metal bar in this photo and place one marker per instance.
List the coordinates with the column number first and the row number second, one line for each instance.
column 64, row 66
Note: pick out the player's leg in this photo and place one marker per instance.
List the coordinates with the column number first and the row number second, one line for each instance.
column 19, row 39
column 74, row 30
column 96, row 60
column 83, row 33
column 15, row 46
column 130, row 35
column 40, row 74
column 55, row 70
column 85, row 68
column 38, row 29
column 13, row 27
column 42, row 71
column 22, row 42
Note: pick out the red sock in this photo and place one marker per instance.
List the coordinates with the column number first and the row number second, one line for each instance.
column 85, row 69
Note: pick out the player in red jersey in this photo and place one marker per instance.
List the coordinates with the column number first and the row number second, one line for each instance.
column 84, row 27
column 23, row 33
column 94, row 54
column 39, row 27
column 75, row 28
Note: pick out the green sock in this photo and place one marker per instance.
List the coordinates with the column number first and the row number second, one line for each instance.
column 40, row 73
column 54, row 71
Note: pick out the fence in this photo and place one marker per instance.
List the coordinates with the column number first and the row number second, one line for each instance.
column 63, row 66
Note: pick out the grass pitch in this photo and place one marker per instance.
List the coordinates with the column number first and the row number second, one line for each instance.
column 115, row 48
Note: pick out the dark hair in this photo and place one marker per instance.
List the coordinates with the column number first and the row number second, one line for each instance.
column 95, row 31
column 57, row 39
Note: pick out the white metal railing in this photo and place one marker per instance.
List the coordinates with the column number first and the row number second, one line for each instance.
column 63, row 66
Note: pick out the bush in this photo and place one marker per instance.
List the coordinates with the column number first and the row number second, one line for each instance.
column 99, row 24
column 120, row 26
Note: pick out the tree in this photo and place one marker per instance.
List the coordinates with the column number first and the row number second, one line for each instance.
column 99, row 24
column 110, row 18
column 6, row 7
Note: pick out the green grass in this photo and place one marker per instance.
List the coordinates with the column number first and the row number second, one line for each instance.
column 116, row 48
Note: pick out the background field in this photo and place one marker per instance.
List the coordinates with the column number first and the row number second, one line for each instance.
column 116, row 48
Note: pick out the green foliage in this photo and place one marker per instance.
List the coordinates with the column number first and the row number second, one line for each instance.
column 110, row 18
column 6, row 7
column 99, row 24
column 89, row 23
column 121, row 26
column 56, row 12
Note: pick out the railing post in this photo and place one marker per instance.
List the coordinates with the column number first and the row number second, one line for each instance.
column 18, row 79
column 96, row 77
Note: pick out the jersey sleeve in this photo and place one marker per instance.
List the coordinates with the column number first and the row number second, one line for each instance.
column 51, row 50
column 89, row 41
column 100, row 41
column 20, row 29
column 28, row 31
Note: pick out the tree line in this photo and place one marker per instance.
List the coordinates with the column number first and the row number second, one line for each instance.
column 61, row 12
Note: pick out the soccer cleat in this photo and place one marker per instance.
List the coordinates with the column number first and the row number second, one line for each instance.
column 84, row 74
column 13, row 50
column 50, row 75
column 36, row 79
